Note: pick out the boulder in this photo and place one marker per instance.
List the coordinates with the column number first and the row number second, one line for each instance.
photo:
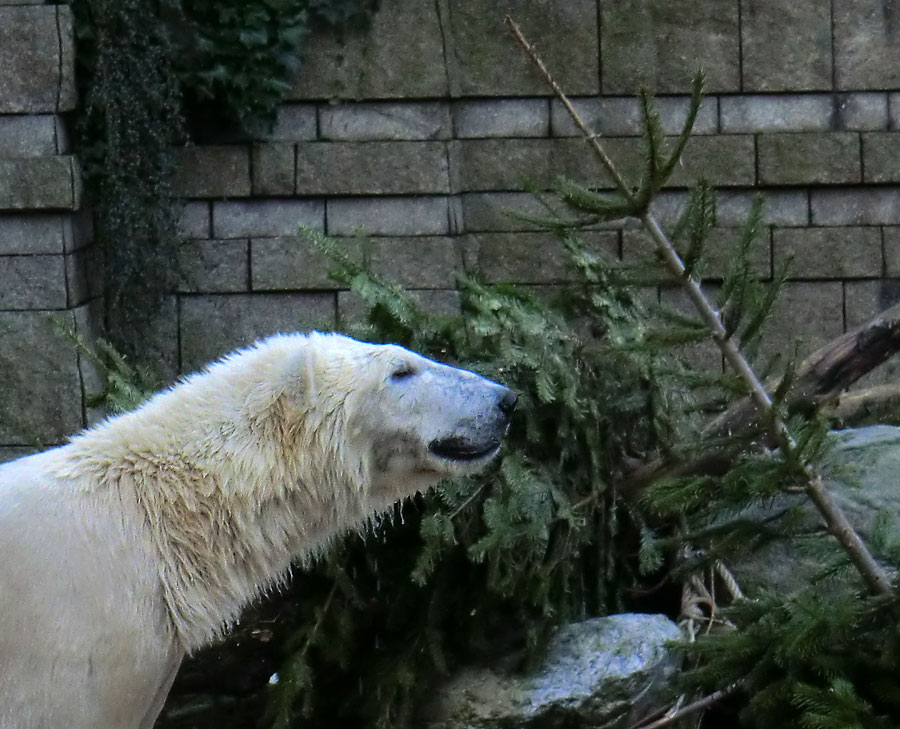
column 603, row 673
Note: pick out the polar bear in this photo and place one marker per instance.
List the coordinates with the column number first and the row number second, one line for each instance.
column 144, row 537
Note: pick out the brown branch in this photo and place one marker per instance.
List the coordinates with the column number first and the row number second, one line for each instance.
column 873, row 575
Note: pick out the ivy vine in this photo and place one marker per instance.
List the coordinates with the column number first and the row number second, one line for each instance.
column 153, row 76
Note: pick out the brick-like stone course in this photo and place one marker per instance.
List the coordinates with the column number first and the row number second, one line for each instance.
column 39, row 183
column 855, row 206
column 36, row 57
column 273, row 168
column 389, row 216
column 214, row 325
column 372, row 168
column 866, row 51
column 214, row 266
column 785, row 45
column 505, row 118
column 251, row 218
column 661, row 44
column 28, row 135
column 836, row 253
column 213, row 171
column 815, row 158
column 881, row 157
column 385, row 121
column 622, row 116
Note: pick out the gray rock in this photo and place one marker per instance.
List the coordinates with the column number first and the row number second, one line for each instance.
column 863, row 465
column 602, row 673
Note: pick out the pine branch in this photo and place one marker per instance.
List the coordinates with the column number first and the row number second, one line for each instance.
column 873, row 575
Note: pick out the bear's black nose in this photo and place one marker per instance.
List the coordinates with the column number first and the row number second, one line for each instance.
column 507, row 402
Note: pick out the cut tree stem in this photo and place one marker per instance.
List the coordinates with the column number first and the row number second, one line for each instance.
column 875, row 578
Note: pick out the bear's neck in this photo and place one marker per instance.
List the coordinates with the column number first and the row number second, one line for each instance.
column 227, row 506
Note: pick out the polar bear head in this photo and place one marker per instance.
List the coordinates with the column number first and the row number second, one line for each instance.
column 402, row 420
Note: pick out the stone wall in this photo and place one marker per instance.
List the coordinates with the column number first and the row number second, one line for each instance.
column 421, row 131
column 43, row 238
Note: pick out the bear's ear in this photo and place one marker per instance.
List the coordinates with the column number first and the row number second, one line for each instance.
column 297, row 380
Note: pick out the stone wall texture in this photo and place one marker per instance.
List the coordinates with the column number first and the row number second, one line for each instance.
column 420, row 133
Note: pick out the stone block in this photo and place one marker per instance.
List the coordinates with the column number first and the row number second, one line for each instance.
column 40, row 391
column 847, row 252
column 385, row 121
column 495, row 211
column 866, row 51
column 785, row 208
column 483, row 118
column 400, row 55
column 213, row 171
column 861, row 112
column 273, row 168
column 850, row 206
column 214, row 266
column 371, row 168
column 506, row 164
column 292, row 263
column 34, row 233
column 531, row 258
column 32, row 282
column 483, row 60
column 28, row 135
column 294, row 123
column 401, row 216
column 791, row 113
column 806, row 316
column 621, row 116
column 351, row 309
column 881, row 157
column 720, row 252
column 36, row 58
column 660, row 44
column 215, row 325
column 785, row 46
column 427, row 262
column 811, row 158
column 894, row 111
column 37, row 183
column 264, row 218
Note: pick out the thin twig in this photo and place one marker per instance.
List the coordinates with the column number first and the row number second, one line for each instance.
column 873, row 575
column 590, row 136
column 691, row 708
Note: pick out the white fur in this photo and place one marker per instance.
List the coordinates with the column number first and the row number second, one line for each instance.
column 144, row 537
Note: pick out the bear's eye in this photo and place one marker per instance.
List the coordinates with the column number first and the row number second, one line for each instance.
column 402, row 372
